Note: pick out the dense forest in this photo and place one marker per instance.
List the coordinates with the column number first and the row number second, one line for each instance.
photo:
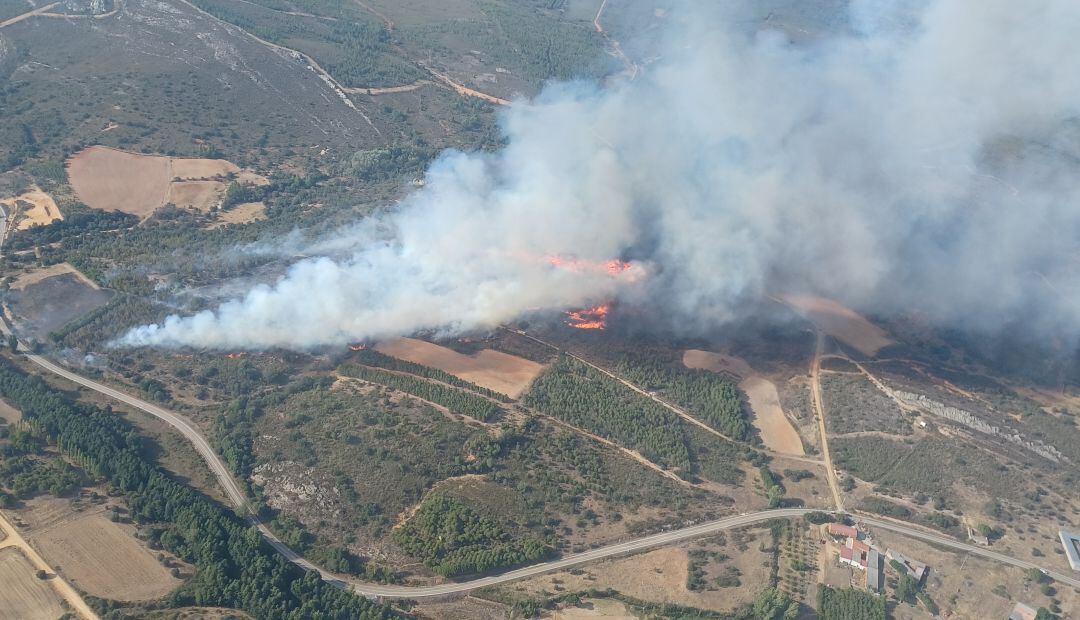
column 234, row 566
column 453, row 539
column 705, row 394
column 457, row 401
column 849, row 604
column 584, row 397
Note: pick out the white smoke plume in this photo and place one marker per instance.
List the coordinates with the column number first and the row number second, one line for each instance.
column 926, row 158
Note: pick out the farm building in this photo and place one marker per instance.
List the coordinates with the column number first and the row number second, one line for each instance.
column 914, row 568
column 1071, row 542
column 874, row 574
column 843, row 531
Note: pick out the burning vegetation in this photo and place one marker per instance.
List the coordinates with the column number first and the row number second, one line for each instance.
column 590, row 318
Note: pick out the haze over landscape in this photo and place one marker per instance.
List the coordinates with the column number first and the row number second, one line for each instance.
column 554, row 309
column 923, row 160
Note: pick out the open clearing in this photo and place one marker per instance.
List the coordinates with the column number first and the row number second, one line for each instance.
column 102, row 559
column 241, row 214
column 44, row 300
column 112, row 180
column 37, row 275
column 22, row 595
column 840, row 322
column 776, row 430
column 595, row 608
column 501, row 372
column 9, row 414
column 32, row 208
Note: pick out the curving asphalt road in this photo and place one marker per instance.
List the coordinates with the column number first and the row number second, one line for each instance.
column 384, row 591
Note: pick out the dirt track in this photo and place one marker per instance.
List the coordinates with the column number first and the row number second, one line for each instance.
column 27, row 15
column 63, row 588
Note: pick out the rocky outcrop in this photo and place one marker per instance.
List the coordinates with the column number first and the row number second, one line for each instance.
column 973, row 422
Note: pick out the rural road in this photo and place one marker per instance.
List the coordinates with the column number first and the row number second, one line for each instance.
column 385, row 591
column 27, row 15
column 819, row 407
column 14, row 539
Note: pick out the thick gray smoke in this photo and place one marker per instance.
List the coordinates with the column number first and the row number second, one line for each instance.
column 928, row 159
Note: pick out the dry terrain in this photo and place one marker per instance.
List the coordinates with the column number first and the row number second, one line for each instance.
column 44, row 300
column 22, row 595
column 241, row 214
column 113, row 180
column 32, row 208
column 9, row 414
column 501, row 372
column 595, row 608
column 776, row 430
column 661, row 575
column 104, row 559
column 841, row 323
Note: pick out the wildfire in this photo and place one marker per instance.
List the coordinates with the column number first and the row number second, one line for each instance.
column 357, row 347
column 590, row 318
column 612, row 267
column 234, row 356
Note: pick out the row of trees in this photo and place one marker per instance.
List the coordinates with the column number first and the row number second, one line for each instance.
column 706, row 394
column 572, row 391
column 371, row 357
column 234, row 566
column 457, row 401
column 452, row 539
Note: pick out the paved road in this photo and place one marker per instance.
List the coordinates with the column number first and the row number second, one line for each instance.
column 447, row 589
column 14, row 539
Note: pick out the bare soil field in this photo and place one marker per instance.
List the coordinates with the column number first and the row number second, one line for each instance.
column 32, row 208
column 23, row 596
column 501, row 372
column 841, row 323
column 104, row 559
column 37, row 275
column 595, row 608
column 113, row 180
column 241, row 214
column 9, row 414
column 198, row 195
column 776, row 430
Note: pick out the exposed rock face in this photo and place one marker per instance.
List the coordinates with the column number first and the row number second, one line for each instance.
column 971, row 421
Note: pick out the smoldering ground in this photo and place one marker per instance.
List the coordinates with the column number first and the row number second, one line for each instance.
column 926, row 158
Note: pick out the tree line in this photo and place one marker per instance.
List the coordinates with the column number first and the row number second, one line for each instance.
column 235, row 567
column 457, row 401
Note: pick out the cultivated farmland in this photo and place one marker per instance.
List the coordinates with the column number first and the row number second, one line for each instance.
column 22, row 595
column 494, row 370
column 100, row 557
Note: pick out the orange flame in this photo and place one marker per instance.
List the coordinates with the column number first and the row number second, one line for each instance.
column 357, row 347
column 573, row 264
column 590, row 318
column 234, row 356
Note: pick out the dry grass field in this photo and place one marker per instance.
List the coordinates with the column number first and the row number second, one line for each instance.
column 9, row 414
column 241, row 214
column 103, row 559
column 501, row 372
column 32, row 208
column 595, row 608
column 22, row 595
column 777, row 432
column 841, row 323
column 33, row 277
column 661, row 575
column 113, row 180
column 198, row 195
